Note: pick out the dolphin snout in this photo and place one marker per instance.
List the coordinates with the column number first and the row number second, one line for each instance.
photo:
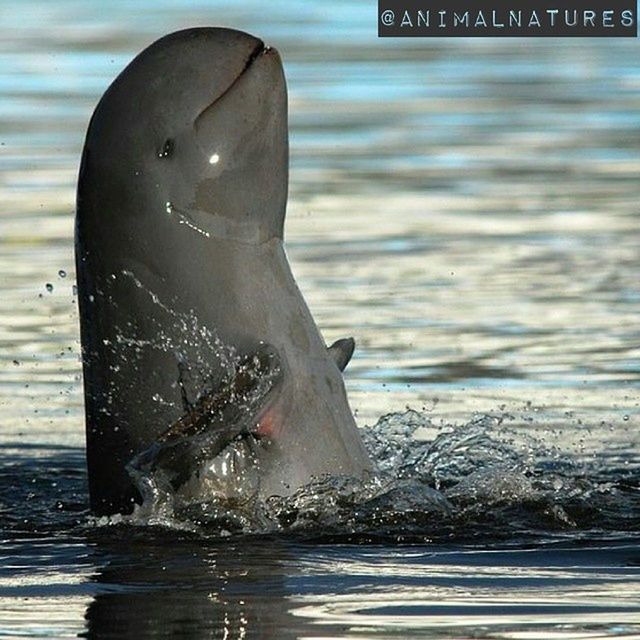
column 260, row 51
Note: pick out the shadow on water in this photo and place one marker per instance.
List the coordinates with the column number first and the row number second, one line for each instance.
column 164, row 586
column 269, row 588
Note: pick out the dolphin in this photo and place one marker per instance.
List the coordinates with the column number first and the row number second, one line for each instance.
column 195, row 336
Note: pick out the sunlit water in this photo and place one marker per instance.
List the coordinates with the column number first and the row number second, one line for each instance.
column 468, row 210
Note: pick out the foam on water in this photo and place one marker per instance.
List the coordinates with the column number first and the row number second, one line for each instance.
column 479, row 479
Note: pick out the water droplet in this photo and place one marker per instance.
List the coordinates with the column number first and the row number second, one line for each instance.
column 214, row 159
column 62, row 273
column 49, row 287
column 167, row 149
column 169, row 207
column 91, row 298
column 625, row 418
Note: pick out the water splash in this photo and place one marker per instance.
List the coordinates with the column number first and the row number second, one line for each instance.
column 200, row 355
column 481, row 479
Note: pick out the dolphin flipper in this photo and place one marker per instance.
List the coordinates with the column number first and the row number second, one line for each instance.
column 341, row 352
column 214, row 421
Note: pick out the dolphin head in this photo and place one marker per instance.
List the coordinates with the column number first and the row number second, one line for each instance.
column 199, row 119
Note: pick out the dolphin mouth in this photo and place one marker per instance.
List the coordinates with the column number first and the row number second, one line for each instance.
column 258, row 51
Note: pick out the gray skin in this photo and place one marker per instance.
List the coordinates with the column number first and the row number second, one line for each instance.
column 179, row 252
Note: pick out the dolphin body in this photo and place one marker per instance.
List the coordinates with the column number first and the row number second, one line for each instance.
column 194, row 332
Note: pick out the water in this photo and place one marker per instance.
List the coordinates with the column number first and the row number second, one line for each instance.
column 468, row 210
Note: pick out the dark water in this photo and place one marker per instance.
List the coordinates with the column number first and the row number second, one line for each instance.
column 468, row 210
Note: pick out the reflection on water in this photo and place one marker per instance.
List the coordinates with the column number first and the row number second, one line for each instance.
column 193, row 591
column 163, row 586
column 468, row 210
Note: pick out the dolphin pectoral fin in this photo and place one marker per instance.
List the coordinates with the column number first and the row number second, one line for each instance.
column 215, row 420
column 241, row 393
column 341, row 352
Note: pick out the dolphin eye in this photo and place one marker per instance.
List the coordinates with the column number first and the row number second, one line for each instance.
column 167, row 149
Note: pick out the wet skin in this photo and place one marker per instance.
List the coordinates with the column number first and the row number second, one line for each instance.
column 182, row 271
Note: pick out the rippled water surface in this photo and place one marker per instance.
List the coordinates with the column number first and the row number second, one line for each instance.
column 468, row 210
